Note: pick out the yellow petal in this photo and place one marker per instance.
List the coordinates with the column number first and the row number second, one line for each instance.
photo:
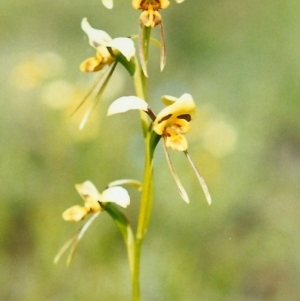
column 108, row 3
column 168, row 99
column 183, row 106
column 136, row 4
column 75, row 213
column 91, row 64
column 126, row 103
column 179, row 1
column 177, row 142
column 164, row 3
column 117, row 195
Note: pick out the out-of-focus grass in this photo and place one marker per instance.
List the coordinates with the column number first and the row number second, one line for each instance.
column 240, row 61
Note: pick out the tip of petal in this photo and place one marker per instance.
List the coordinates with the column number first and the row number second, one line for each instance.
column 108, row 3
column 85, row 25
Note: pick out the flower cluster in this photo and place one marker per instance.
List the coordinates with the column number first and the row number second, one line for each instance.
column 169, row 126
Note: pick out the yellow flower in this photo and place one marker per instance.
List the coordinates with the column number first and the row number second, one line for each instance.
column 171, row 123
column 93, row 200
column 174, row 121
column 107, row 48
column 150, row 16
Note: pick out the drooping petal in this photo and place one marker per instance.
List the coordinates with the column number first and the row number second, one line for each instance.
column 163, row 55
column 96, row 37
column 126, row 103
column 90, row 194
column 97, row 96
column 125, row 46
column 75, row 213
column 79, row 236
column 74, row 240
column 199, row 177
column 108, row 3
column 116, row 194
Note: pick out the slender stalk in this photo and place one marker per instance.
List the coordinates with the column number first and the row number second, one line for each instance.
column 144, row 217
column 140, row 81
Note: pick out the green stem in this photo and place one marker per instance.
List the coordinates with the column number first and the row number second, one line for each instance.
column 140, row 81
column 144, row 217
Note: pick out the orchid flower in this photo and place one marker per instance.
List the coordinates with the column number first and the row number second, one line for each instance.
column 95, row 203
column 150, row 17
column 93, row 200
column 171, row 124
column 108, row 49
column 108, row 53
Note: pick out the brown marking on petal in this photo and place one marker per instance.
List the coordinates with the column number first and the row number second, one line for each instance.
column 165, row 118
column 156, row 5
column 186, row 117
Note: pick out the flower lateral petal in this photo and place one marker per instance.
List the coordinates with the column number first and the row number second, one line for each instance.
column 126, row 103
column 75, row 213
column 116, row 194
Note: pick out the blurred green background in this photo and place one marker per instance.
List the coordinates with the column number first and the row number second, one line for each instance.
column 241, row 62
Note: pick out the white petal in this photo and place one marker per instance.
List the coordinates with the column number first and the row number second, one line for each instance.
column 108, row 3
column 125, row 46
column 88, row 191
column 117, row 195
column 96, row 37
column 126, row 103
column 179, row 1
